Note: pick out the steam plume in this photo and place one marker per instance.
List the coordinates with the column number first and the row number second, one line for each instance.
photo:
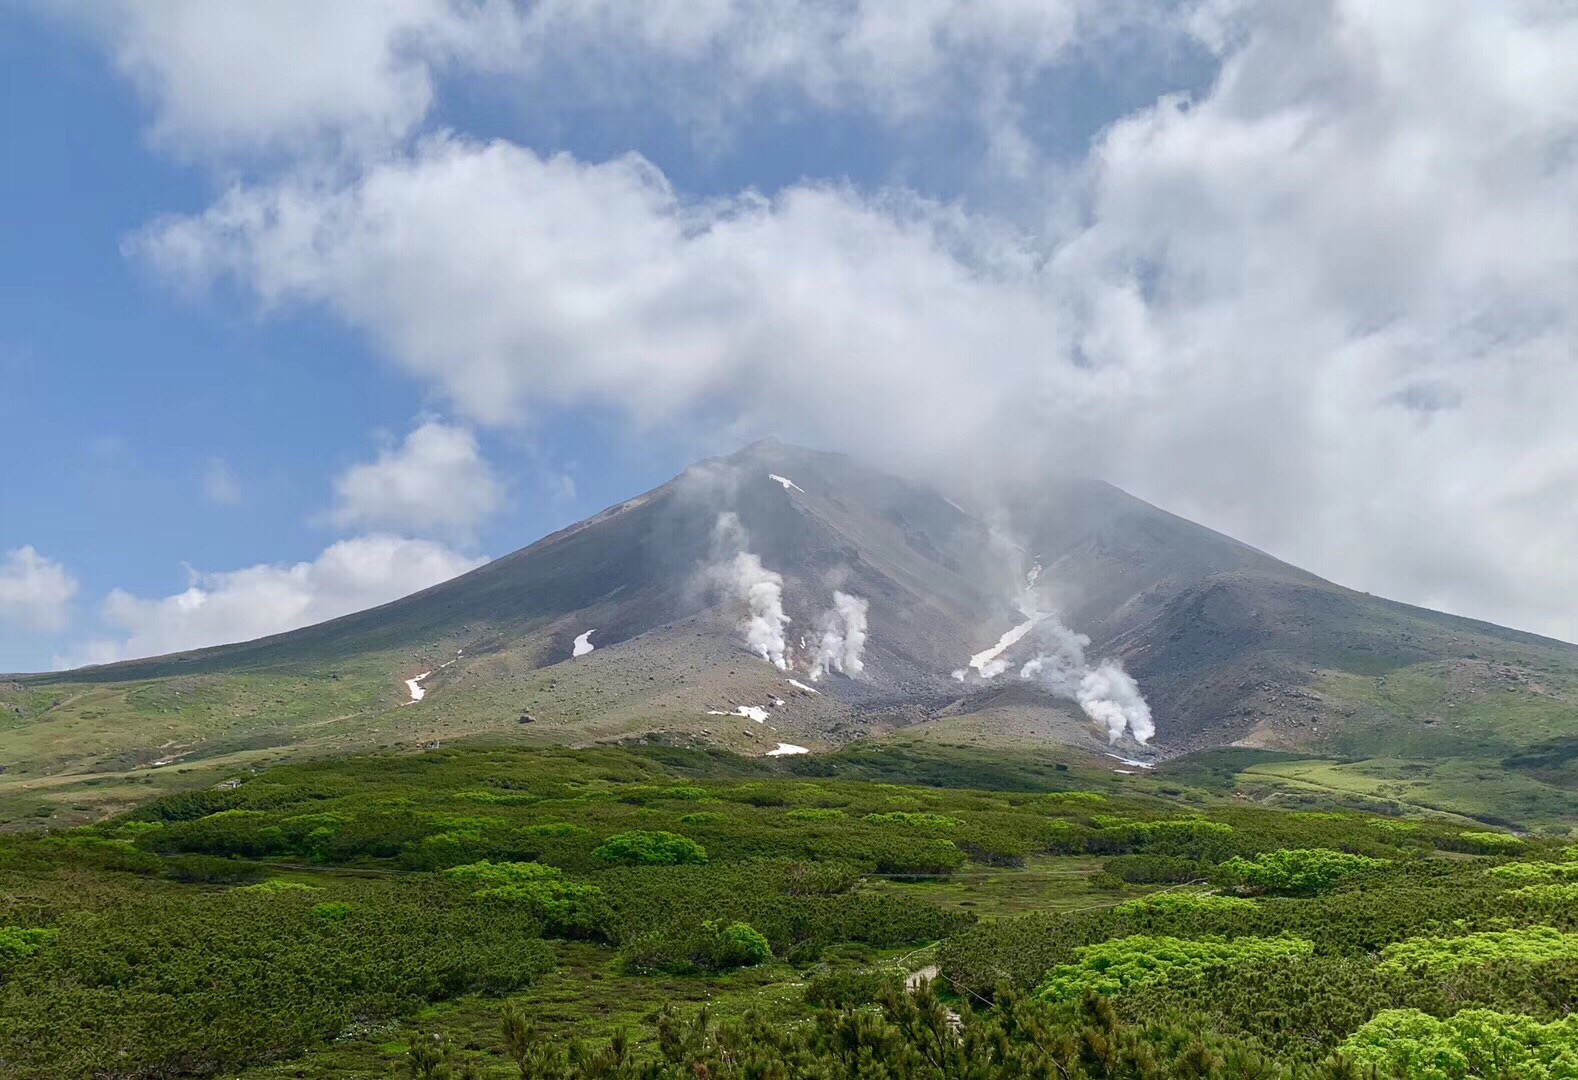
column 1106, row 692
column 745, row 579
column 843, row 638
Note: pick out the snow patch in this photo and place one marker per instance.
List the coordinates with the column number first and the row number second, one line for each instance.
column 1132, row 761
column 583, row 644
column 784, row 749
column 418, row 692
column 750, row 712
column 786, row 482
column 798, row 685
column 987, row 664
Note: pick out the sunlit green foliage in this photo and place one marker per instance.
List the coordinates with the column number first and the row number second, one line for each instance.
column 913, row 820
column 1443, row 955
column 1184, row 903
column 565, row 907
column 20, row 942
column 1472, row 1043
column 1112, row 967
column 1492, row 843
column 1523, row 872
column 641, row 848
column 1299, row 872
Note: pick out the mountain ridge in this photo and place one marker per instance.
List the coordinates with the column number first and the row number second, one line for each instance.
column 1228, row 645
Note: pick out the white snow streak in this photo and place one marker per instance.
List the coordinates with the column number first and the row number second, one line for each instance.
column 987, row 664
column 786, row 482
column 415, row 686
column 750, row 712
column 798, row 685
column 583, row 644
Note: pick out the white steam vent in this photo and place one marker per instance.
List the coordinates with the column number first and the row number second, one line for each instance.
column 1106, row 692
column 743, row 578
column 843, row 642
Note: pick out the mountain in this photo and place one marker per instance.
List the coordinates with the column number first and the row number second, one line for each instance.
column 1228, row 645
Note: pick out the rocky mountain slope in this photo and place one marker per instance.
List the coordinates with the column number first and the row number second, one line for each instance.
column 721, row 607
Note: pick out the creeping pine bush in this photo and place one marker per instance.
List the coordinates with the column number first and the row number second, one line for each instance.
column 1111, row 967
column 1295, row 872
column 564, row 907
column 815, row 813
column 1491, row 843
column 1524, row 872
column 1184, row 903
column 913, row 820
column 1472, row 1043
column 1434, row 956
column 708, row 947
column 20, row 942
column 641, row 848
column 276, row 885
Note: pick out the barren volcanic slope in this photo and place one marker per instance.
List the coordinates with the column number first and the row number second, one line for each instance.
column 703, row 609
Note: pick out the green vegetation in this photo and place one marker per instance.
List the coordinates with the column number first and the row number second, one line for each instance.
column 1296, row 872
column 651, row 849
column 1472, row 1043
column 1435, row 956
column 484, row 909
column 1112, row 967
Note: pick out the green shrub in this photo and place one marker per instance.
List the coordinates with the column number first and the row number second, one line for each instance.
column 565, row 907
column 848, row 988
column 814, row 813
column 1436, row 956
column 1492, row 843
column 913, row 820
column 1472, row 1043
column 1184, row 903
column 640, row 848
column 1155, row 869
column 1111, row 967
column 20, row 942
column 703, row 817
column 207, row 869
column 333, row 911
column 742, row 945
column 276, row 885
column 711, row 946
column 1295, row 872
column 1524, row 872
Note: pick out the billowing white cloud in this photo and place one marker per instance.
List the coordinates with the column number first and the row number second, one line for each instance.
column 239, row 605
column 233, row 76
column 35, row 591
column 229, row 76
column 1326, row 305
column 437, row 479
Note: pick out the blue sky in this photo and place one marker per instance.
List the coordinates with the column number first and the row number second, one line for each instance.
column 418, row 283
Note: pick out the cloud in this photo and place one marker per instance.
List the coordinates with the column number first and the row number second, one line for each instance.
column 1221, row 308
column 35, row 592
column 227, row 77
column 437, row 479
column 239, row 605
column 220, row 484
